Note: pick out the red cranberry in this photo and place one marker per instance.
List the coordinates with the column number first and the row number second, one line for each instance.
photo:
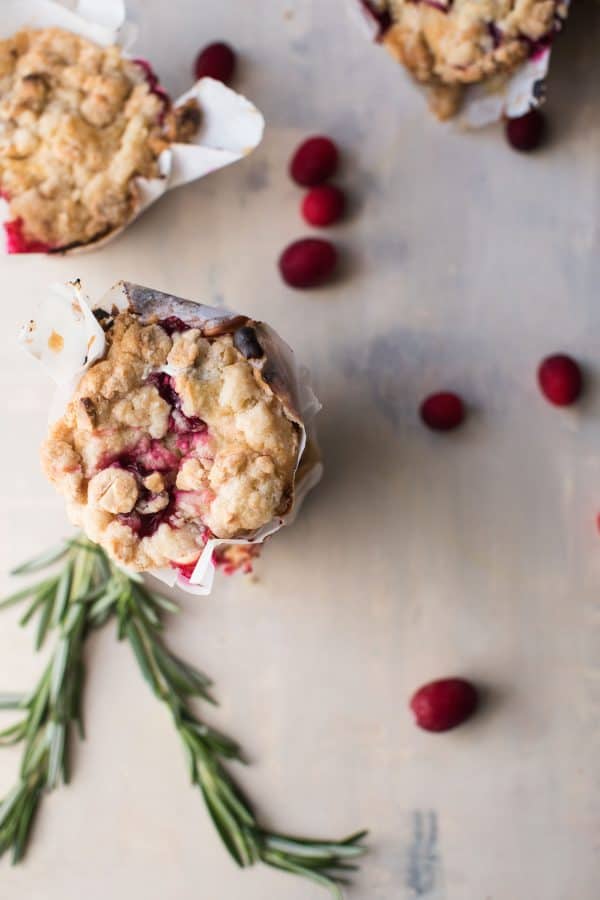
column 308, row 262
column 314, row 161
column 215, row 61
column 526, row 132
column 443, row 411
column 559, row 378
column 323, row 205
column 444, row 704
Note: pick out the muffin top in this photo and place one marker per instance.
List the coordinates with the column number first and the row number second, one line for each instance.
column 450, row 43
column 174, row 437
column 78, row 122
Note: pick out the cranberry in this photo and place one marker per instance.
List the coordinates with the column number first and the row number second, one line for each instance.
column 443, row 411
column 314, row 161
column 323, row 205
column 560, row 380
column 526, row 132
column 215, row 61
column 307, row 263
column 444, row 704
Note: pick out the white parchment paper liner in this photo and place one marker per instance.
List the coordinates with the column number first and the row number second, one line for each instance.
column 490, row 100
column 231, row 127
column 66, row 339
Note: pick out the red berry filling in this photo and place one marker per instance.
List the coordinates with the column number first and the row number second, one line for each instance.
column 147, row 525
column 186, row 570
column 232, row 559
column 179, row 422
column 150, row 456
column 173, row 324
column 441, row 5
column 444, row 704
column 16, row 242
column 495, row 34
column 381, row 17
column 154, row 85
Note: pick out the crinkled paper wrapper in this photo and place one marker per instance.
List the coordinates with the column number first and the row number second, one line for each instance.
column 66, row 338
column 231, row 127
column 488, row 101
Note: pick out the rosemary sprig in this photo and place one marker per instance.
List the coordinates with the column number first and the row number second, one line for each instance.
column 87, row 592
column 53, row 708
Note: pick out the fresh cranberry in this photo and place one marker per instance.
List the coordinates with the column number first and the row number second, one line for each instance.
column 560, row 380
column 444, row 704
column 443, row 411
column 323, row 205
column 526, row 133
column 315, row 160
column 215, row 61
column 308, row 262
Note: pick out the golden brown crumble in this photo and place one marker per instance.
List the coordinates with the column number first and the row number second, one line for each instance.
column 448, row 44
column 78, row 123
column 152, row 463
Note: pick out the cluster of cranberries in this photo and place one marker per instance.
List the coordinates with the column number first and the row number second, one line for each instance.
column 559, row 378
column 444, row 704
column 311, row 261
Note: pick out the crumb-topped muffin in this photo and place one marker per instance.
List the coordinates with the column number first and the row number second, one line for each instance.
column 78, row 123
column 448, row 44
column 177, row 435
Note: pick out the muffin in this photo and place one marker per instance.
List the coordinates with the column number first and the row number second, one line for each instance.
column 449, row 44
column 79, row 123
column 184, row 431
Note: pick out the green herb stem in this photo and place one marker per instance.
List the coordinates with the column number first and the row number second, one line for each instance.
column 87, row 591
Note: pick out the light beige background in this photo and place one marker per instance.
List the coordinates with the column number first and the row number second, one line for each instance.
column 420, row 555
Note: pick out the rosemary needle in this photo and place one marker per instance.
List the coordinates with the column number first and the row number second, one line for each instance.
column 87, row 591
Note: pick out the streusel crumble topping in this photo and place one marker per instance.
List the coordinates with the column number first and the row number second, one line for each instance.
column 171, row 439
column 78, row 123
column 447, row 44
